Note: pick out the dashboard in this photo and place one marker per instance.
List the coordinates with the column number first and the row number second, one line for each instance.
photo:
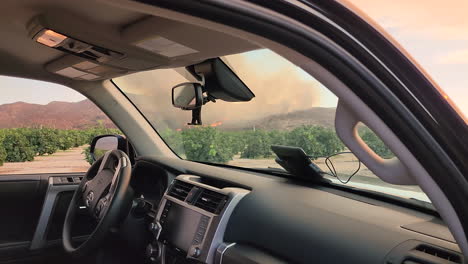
column 192, row 217
column 224, row 215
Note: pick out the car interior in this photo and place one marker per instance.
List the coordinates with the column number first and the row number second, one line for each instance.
column 140, row 202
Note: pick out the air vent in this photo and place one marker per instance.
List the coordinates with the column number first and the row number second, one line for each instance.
column 452, row 257
column 211, row 201
column 180, row 190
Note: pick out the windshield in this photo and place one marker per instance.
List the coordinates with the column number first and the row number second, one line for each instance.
column 290, row 108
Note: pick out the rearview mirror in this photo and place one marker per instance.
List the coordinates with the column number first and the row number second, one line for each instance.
column 220, row 81
column 187, row 96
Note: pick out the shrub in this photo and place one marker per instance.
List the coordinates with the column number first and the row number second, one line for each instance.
column 258, row 145
column 43, row 140
column 375, row 143
column 22, row 144
column 87, row 155
column 78, row 137
column 174, row 140
column 305, row 137
column 17, row 147
column 329, row 141
column 316, row 141
column 2, row 150
column 277, row 137
column 65, row 140
column 206, row 144
column 3, row 155
column 236, row 140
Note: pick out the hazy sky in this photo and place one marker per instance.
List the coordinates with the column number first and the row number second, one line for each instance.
column 437, row 39
column 435, row 33
column 31, row 91
column 279, row 87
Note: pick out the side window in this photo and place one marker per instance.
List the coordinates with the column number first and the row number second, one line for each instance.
column 46, row 128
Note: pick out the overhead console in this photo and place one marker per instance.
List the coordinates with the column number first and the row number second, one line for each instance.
column 191, row 219
column 96, row 51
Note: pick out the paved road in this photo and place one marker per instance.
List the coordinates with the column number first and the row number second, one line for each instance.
column 71, row 160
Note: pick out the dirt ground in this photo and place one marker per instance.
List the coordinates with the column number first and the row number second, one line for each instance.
column 71, row 160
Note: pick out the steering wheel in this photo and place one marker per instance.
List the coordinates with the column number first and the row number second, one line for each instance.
column 107, row 195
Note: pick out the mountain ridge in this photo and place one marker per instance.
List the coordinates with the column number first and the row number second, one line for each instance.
column 85, row 114
column 55, row 114
column 320, row 116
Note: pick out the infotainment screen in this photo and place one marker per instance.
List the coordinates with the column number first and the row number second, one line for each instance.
column 180, row 226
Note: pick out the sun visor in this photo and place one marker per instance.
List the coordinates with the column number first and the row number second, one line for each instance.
column 221, row 82
column 178, row 41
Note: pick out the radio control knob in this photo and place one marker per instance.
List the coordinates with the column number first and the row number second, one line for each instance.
column 153, row 252
column 153, row 227
column 195, row 252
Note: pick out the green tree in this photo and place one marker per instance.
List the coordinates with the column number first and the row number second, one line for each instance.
column 78, row 137
column 17, row 147
column 87, row 155
column 65, row 139
column 316, row 141
column 375, row 143
column 305, row 137
column 258, row 145
column 174, row 140
column 329, row 141
column 42, row 140
column 236, row 140
column 3, row 153
column 277, row 137
column 206, row 144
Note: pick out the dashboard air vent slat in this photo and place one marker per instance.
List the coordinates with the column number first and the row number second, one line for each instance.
column 180, row 190
column 452, row 257
column 211, row 201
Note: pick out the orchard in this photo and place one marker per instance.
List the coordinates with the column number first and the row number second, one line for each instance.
column 207, row 144
column 23, row 144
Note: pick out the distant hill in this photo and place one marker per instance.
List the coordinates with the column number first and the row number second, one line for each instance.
column 321, row 116
column 84, row 114
column 61, row 115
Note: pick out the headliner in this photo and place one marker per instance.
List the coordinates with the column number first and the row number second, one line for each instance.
column 102, row 24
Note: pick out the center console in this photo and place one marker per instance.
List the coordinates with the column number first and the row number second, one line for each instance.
column 192, row 218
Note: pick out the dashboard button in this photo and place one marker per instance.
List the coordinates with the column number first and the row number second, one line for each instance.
column 153, row 252
column 195, row 252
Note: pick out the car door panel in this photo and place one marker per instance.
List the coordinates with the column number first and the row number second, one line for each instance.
column 33, row 210
column 20, row 203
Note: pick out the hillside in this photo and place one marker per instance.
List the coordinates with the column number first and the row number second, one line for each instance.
column 314, row 116
column 84, row 114
column 61, row 115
